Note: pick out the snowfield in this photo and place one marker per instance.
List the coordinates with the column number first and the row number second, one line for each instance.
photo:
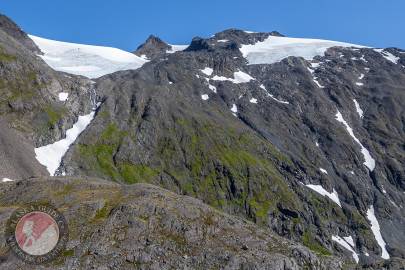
column 51, row 155
column 86, row 60
column 274, row 49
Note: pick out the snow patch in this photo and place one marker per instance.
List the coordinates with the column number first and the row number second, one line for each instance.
column 222, row 40
column 274, row 49
column 346, row 245
column 358, row 109
column 323, row 170
column 361, row 76
column 144, row 57
column 317, row 83
column 375, row 228
column 51, row 155
column 387, row 55
column 176, row 48
column 212, row 88
column 204, row 97
column 359, row 84
column 63, row 96
column 314, row 78
column 238, row 77
column 331, row 195
column 369, row 161
column 234, row 109
column 86, row 60
column 253, row 100
column 207, row 71
column 6, row 180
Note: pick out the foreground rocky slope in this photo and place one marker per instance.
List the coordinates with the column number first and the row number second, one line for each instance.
column 141, row 226
column 257, row 138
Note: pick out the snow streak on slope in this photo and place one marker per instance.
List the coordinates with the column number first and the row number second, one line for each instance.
column 86, row 60
column 51, row 155
column 346, row 245
column 369, row 161
column 387, row 55
column 270, row 95
column 375, row 228
column 331, row 195
column 6, row 180
column 358, row 109
column 275, row 49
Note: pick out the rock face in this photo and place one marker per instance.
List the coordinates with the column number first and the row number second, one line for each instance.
column 17, row 157
column 145, row 227
column 244, row 138
column 14, row 31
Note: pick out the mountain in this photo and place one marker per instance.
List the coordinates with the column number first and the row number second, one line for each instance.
column 303, row 137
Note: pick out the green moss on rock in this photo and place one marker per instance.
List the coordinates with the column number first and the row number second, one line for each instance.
column 309, row 241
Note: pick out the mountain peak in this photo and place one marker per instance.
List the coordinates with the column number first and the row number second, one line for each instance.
column 152, row 46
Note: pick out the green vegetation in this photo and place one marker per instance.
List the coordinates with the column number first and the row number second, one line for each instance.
column 67, row 189
column 103, row 212
column 137, row 173
column 225, row 167
column 53, row 115
column 4, row 57
column 309, row 241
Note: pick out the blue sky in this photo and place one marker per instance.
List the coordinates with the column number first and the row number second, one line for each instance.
column 126, row 24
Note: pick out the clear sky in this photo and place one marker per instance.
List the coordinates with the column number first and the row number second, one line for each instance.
column 126, row 24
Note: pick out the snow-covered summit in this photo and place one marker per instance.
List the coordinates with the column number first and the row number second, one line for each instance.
column 86, row 60
column 276, row 48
